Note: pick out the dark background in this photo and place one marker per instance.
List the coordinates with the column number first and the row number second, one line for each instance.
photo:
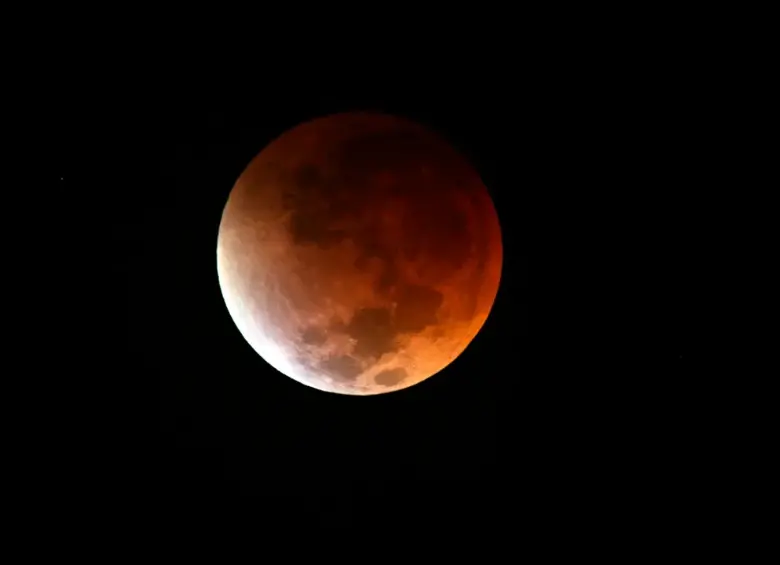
column 594, row 165
column 227, row 420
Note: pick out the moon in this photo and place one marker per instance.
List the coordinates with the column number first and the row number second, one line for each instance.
column 359, row 253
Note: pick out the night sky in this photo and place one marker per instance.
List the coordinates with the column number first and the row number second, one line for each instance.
column 574, row 402
column 230, row 423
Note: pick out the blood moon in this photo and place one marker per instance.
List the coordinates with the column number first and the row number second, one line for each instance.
column 359, row 253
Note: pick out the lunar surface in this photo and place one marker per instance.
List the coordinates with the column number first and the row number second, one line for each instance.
column 359, row 253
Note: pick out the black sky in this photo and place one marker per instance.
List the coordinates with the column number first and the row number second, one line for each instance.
column 227, row 419
column 592, row 169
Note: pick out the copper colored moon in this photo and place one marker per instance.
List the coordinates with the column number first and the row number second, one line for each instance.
column 359, row 253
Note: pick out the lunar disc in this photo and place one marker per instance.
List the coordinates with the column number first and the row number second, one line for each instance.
column 359, row 253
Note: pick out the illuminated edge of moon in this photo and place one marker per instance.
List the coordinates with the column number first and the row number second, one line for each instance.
column 275, row 354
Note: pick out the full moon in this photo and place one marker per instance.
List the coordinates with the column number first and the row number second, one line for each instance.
column 359, row 253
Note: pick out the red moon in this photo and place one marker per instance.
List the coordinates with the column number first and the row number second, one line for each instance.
column 359, row 253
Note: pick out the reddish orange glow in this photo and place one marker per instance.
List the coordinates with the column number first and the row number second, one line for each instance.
column 359, row 253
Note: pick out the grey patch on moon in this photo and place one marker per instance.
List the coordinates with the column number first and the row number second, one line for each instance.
column 390, row 377
column 388, row 279
column 416, row 308
column 311, row 226
column 371, row 248
column 373, row 331
column 341, row 367
column 336, row 325
column 314, row 335
column 308, row 196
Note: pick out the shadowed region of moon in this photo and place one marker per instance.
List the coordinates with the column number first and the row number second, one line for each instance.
column 341, row 367
column 416, row 309
column 314, row 335
column 390, row 377
column 373, row 331
column 374, row 224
